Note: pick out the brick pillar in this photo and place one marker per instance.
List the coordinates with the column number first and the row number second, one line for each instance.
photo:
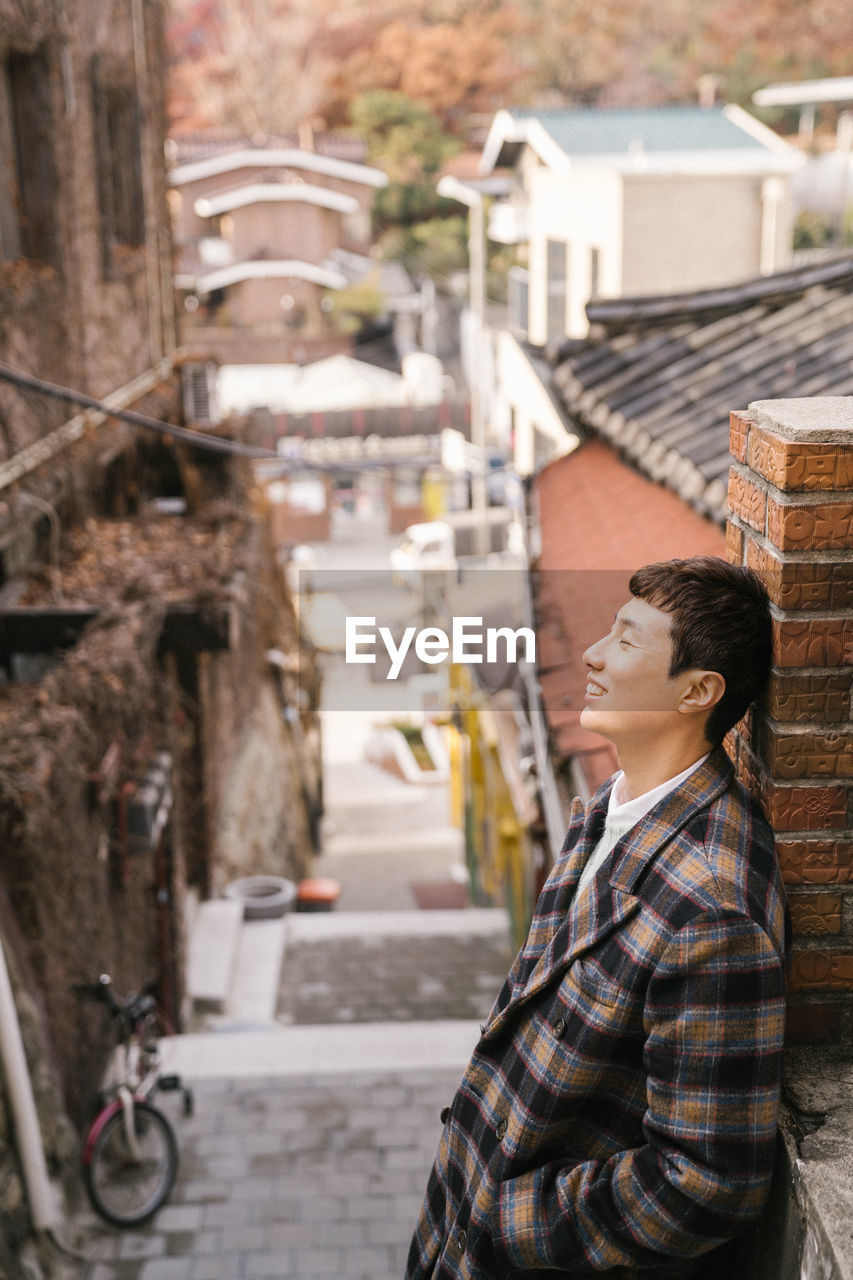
column 791, row 519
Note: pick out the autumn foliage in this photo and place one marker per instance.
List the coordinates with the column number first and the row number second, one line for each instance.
column 268, row 65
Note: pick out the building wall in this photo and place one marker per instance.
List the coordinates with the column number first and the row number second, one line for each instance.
column 691, row 232
column 190, row 226
column 536, row 429
column 258, row 303
column 300, row 230
column 583, row 211
column 73, row 288
column 87, row 302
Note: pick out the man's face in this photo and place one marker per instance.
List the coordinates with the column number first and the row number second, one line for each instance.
column 629, row 690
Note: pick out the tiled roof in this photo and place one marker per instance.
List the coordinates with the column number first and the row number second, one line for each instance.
column 599, row 520
column 612, row 131
column 659, row 376
column 190, row 147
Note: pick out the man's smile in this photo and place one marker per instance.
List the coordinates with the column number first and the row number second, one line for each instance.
column 593, row 688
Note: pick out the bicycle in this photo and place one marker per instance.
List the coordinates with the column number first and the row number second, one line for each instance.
column 130, row 1152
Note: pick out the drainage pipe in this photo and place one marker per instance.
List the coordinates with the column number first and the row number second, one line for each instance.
column 43, row 1206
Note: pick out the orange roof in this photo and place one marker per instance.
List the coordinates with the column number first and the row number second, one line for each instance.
column 599, row 520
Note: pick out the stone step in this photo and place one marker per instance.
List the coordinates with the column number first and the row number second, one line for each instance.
column 447, row 840
column 470, row 922
column 253, row 990
column 308, row 1050
column 212, row 953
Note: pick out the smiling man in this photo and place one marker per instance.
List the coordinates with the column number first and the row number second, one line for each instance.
column 618, row 1115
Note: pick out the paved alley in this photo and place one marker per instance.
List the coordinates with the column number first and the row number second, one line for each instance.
column 317, row 1119
column 302, row 1176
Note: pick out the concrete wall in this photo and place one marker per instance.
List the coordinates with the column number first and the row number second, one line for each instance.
column 583, row 211
column 260, row 760
column 654, row 233
column 538, row 430
column 690, row 232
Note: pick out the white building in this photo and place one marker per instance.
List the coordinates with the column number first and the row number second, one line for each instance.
column 617, row 203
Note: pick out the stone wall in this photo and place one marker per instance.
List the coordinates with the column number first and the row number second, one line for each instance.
column 85, row 248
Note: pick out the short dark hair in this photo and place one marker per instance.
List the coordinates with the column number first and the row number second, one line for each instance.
column 720, row 621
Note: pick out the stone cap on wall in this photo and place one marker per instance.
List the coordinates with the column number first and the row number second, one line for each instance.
column 827, row 418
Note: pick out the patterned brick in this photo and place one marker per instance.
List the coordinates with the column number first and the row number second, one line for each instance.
column 827, row 861
column 739, row 429
column 815, row 914
column 815, row 754
column 823, row 526
column 809, row 808
column 821, row 970
column 825, row 642
column 813, row 699
column 734, row 543
column 793, row 465
column 797, row 584
column 747, row 500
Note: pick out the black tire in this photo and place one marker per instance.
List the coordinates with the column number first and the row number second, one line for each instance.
column 122, row 1190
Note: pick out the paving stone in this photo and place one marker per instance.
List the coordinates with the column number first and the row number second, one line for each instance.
column 179, row 1218
column 220, row 1266
column 167, row 1269
column 401, row 979
column 132, row 1245
column 278, row 1263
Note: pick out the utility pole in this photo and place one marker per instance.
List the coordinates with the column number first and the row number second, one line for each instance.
column 452, row 189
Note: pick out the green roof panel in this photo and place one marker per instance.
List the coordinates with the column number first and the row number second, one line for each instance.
column 613, row 131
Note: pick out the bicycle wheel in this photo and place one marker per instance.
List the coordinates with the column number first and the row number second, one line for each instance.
column 124, row 1189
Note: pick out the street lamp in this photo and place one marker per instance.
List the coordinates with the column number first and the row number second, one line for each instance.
column 451, row 188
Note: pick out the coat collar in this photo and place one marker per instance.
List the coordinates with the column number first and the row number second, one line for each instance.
column 568, row 928
column 669, row 816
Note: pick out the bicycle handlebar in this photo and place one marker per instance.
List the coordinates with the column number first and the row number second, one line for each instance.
column 132, row 1007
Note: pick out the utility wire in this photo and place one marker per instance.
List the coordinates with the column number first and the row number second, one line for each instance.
column 200, row 439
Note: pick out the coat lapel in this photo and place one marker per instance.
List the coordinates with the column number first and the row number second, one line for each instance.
column 569, row 927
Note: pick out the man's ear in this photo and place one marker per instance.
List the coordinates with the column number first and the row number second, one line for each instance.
column 703, row 692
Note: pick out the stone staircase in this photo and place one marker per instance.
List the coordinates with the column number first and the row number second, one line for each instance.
column 342, row 967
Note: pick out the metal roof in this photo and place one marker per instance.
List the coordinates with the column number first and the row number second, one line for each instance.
column 724, row 138
column 610, row 131
column 659, row 376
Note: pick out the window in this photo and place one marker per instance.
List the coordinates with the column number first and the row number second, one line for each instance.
column 517, row 297
column 594, row 272
column 28, row 202
column 118, row 150
column 558, row 267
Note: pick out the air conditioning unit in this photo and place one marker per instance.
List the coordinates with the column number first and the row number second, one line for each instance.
column 201, row 400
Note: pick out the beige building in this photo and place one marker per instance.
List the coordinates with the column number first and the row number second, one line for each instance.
column 265, row 235
column 629, row 202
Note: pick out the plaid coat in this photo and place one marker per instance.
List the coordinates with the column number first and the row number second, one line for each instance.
column 618, row 1114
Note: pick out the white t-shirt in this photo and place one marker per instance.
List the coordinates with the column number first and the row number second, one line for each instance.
column 622, row 817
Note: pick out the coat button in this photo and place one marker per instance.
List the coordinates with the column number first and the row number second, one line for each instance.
column 559, row 1028
column 462, row 1240
column 444, row 1115
column 501, row 1129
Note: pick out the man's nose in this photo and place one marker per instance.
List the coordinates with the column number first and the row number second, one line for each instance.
column 592, row 656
